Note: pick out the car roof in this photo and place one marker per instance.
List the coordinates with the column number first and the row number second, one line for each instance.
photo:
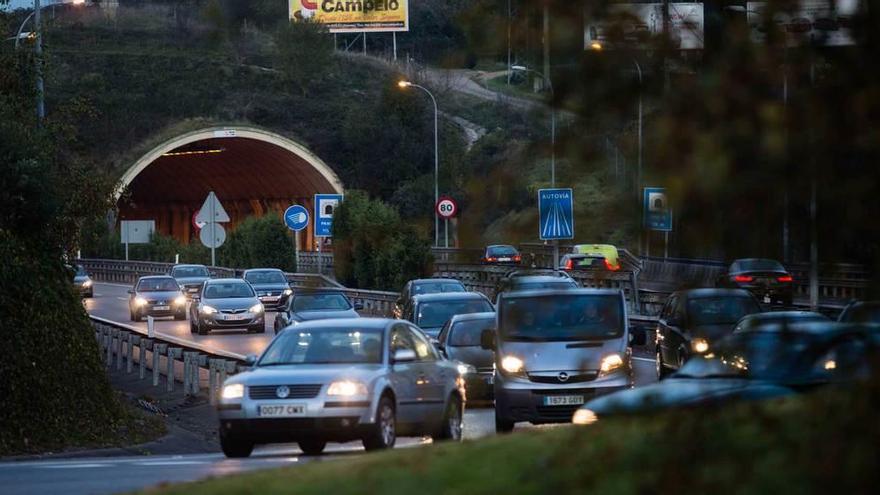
column 768, row 315
column 152, row 277
column 560, row 292
column 263, row 270
column 449, row 296
column 366, row 322
column 193, row 265
column 500, row 245
column 490, row 315
column 862, row 304
column 315, row 290
column 830, row 328
column 540, row 278
column 713, row 292
column 212, row 281
column 435, row 280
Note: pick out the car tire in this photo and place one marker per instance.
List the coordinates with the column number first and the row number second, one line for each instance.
column 202, row 329
column 180, row 317
column 451, row 426
column 312, row 447
column 383, row 434
column 257, row 329
column 503, row 425
column 662, row 370
column 235, row 447
column 192, row 328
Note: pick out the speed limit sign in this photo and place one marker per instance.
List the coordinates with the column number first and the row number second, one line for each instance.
column 447, row 207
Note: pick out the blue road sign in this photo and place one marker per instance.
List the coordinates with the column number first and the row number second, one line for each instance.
column 657, row 212
column 325, row 206
column 296, row 217
column 556, row 208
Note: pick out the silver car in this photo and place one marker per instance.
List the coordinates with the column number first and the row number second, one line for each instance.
column 341, row 380
column 226, row 303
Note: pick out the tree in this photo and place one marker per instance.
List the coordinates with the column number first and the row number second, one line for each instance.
column 304, row 53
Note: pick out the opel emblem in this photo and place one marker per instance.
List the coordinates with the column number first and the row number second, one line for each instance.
column 563, row 377
column 282, row 392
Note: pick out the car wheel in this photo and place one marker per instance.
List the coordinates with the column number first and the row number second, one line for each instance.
column 201, row 329
column 257, row 329
column 503, row 425
column 312, row 447
column 180, row 317
column 235, row 447
column 383, row 434
column 662, row 371
column 192, row 328
column 451, row 427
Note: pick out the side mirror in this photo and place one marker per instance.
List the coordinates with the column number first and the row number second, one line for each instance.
column 358, row 306
column 250, row 359
column 487, row 339
column 403, row 356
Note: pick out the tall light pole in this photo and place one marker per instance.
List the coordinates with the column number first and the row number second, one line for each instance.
column 408, row 84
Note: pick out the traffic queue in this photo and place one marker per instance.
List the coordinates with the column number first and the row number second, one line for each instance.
column 540, row 347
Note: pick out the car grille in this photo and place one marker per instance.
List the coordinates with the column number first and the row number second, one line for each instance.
column 264, row 293
column 160, row 302
column 588, row 393
column 572, row 378
column 486, row 369
column 233, row 311
column 559, row 413
column 268, row 392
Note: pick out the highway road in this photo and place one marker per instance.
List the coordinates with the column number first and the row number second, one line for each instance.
column 108, row 475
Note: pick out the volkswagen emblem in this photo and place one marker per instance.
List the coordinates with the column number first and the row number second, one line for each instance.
column 282, row 392
column 563, row 377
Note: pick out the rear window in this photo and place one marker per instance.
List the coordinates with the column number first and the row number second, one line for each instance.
column 189, row 271
column 562, row 318
column 502, row 251
column 721, row 310
column 266, row 277
column 467, row 333
column 757, row 266
column 435, row 314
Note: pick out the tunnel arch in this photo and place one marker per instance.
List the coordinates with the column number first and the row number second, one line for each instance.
column 253, row 171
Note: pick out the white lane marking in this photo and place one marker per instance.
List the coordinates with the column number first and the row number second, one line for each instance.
column 648, row 360
column 168, row 463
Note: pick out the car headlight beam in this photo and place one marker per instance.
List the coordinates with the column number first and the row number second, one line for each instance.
column 512, row 364
column 288, row 292
column 207, row 310
column 256, row 308
column 584, row 416
column 699, row 345
column 180, row 300
column 610, row 363
column 347, row 388
column 234, row 391
column 87, row 283
column 140, row 301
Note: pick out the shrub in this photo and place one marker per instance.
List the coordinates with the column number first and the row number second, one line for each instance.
column 259, row 242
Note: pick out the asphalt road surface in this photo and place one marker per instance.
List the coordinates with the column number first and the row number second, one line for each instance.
column 108, row 475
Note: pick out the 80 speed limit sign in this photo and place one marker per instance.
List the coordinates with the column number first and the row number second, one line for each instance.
column 447, row 207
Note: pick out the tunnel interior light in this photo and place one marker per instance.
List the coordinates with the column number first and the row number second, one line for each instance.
column 194, row 152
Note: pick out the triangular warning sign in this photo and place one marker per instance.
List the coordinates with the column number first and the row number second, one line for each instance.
column 212, row 211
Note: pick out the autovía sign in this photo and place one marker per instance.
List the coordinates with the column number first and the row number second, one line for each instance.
column 556, row 214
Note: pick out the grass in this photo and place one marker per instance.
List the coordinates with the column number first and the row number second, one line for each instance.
column 814, row 444
column 518, row 88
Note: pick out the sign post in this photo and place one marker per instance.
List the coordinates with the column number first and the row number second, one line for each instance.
column 657, row 215
column 296, row 217
column 211, row 214
column 555, row 217
column 136, row 232
column 447, row 208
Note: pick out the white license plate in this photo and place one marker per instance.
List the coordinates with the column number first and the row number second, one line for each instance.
column 269, row 298
column 235, row 317
column 192, row 289
column 282, row 410
column 161, row 308
column 563, row 400
column 503, row 259
column 766, row 299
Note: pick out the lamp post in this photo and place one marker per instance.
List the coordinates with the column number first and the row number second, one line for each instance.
column 408, row 84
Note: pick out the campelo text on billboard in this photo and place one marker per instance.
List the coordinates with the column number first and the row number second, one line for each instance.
column 343, row 16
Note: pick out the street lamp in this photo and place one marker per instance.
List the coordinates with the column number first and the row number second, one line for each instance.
column 408, row 84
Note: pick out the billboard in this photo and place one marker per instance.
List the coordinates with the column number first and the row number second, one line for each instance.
column 633, row 25
column 816, row 22
column 347, row 16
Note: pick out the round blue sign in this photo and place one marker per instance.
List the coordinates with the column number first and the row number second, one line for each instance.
column 296, row 217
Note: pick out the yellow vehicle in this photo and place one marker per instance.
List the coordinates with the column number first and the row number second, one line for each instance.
column 607, row 250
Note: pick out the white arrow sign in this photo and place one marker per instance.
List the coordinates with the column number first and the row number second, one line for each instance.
column 212, row 211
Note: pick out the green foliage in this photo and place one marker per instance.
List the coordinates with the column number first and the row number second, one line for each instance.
column 259, row 242
column 373, row 248
column 304, row 53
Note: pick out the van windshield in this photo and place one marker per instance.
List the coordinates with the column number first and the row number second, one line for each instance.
column 554, row 318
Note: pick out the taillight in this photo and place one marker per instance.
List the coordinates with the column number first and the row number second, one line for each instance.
column 611, row 267
column 785, row 278
column 517, row 258
column 743, row 278
column 569, row 264
column 491, row 259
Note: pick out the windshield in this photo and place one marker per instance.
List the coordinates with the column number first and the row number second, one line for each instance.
column 158, row 285
column 266, row 277
column 229, row 290
column 467, row 333
column 80, row 271
column 321, row 302
column 757, row 266
column 435, row 314
column 502, row 251
column 189, row 272
column 435, row 287
column 574, row 317
column 325, row 346
column 721, row 310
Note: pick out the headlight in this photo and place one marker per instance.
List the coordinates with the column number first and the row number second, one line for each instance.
column 139, row 301
column 464, row 369
column 610, row 363
column 207, row 310
column 288, row 292
column 256, row 308
column 347, row 388
column 180, row 300
column 87, row 283
column 512, row 364
column 699, row 345
column 234, row 391
column 584, row 417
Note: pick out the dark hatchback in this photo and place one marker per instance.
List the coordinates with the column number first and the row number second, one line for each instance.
column 156, row 296
column 190, row 277
column 431, row 311
column 459, row 340
column 767, row 279
column 424, row 286
column 315, row 304
column 271, row 286
column 501, row 254
column 693, row 320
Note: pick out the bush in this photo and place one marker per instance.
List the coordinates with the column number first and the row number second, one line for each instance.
column 259, row 242
column 374, row 248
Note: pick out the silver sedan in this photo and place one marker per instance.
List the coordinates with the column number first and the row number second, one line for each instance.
column 342, row 380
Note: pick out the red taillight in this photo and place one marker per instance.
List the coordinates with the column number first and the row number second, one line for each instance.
column 611, row 267
column 517, row 258
column 491, row 259
column 785, row 278
column 569, row 264
column 743, row 278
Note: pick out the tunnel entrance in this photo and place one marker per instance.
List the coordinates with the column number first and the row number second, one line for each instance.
column 254, row 172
